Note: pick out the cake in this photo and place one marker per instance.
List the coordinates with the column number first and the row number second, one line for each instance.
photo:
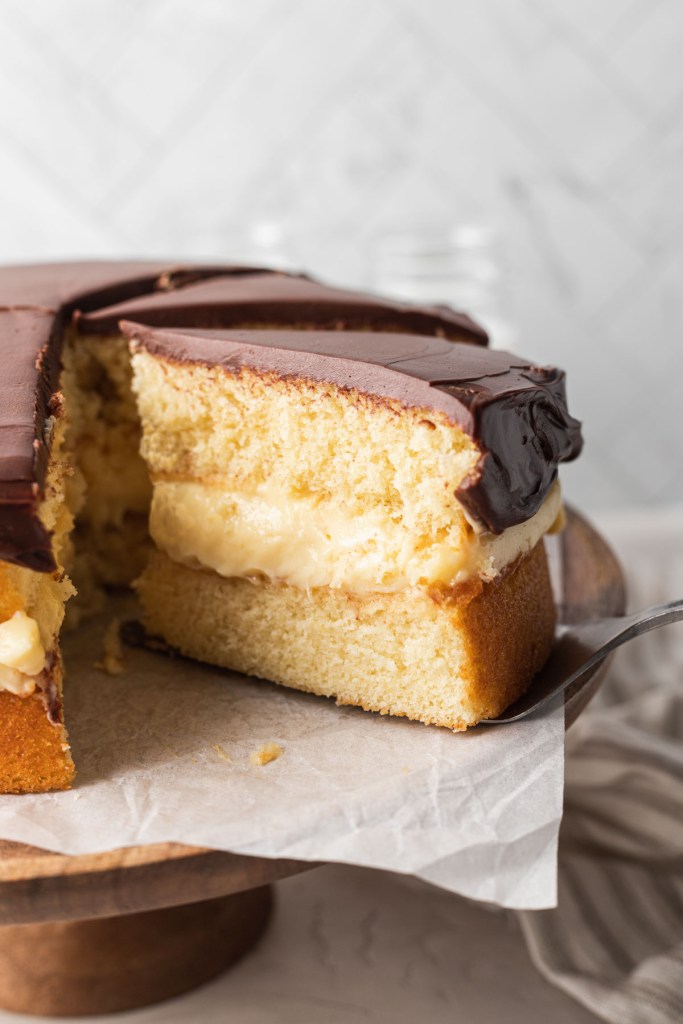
column 350, row 493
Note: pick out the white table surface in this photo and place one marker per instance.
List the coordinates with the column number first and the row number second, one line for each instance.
column 349, row 944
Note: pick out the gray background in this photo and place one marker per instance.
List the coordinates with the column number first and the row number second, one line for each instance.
column 176, row 128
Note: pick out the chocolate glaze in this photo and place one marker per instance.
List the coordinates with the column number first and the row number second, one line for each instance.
column 281, row 300
column 38, row 301
column 515, row 412
column 98, row 283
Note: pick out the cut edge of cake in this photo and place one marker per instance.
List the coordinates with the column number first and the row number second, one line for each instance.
column 288, row 514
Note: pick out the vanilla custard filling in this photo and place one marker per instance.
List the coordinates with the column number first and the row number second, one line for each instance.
column 309, row 544
column 22, row 655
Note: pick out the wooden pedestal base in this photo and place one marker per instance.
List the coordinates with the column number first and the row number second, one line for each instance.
column 76, row 968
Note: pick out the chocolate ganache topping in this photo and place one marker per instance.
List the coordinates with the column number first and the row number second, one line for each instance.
column 515, row 412
column 280, row 300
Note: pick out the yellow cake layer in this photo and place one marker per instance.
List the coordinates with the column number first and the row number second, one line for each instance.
column 104, row 435
column 446, row 661
column 35, row 752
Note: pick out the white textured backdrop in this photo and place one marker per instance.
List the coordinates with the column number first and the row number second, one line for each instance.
column 169, row 127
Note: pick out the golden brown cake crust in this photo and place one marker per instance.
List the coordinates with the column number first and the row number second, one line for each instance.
column 509, row 628
column 35, row 753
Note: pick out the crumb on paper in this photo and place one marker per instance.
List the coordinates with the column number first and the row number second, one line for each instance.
column 265, row 754
column 112, row 660
column 223, row 754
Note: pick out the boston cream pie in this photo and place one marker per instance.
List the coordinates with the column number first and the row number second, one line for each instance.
column 332, row 491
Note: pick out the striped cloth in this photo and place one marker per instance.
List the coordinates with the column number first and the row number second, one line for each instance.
column 615, row 940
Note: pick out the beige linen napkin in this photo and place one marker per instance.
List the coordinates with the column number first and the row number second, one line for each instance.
column 615, row 940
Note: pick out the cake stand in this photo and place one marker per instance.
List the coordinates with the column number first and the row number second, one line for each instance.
column 112, row 931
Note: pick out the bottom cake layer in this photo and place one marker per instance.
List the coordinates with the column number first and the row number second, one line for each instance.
column 440, row 659
column 35, row 752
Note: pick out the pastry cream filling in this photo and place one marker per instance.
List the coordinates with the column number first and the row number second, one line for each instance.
column 22, row 655
column 279, row 536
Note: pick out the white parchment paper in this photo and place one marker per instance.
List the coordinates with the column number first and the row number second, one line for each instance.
column 163, row 754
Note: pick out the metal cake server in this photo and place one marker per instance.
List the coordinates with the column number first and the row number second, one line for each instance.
column 578, row 648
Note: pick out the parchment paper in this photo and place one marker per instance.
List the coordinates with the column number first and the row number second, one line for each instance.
column 163, row 754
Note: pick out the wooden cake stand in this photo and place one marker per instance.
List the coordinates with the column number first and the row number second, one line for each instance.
column 113, row 931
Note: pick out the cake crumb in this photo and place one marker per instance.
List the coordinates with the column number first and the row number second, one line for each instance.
column 112, row 660
column 223, row 754
column 265, row 754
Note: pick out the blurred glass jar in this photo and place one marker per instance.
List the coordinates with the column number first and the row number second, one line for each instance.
column 266, row 242
column 459, row 265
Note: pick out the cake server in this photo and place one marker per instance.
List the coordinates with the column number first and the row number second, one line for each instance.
column 578, row 648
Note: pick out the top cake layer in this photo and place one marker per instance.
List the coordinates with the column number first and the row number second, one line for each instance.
column 522, row 407
column 515, row 413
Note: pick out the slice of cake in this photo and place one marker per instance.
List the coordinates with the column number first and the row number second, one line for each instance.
column 33, row 583
column 351, row 497
column 354, row 515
